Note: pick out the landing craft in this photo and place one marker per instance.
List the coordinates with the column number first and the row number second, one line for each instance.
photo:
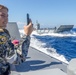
column 39, row 63
column 60, row 29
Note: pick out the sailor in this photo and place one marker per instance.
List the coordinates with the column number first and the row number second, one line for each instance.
column 11, row 49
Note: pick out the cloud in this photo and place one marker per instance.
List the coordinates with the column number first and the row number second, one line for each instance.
column 21, row 23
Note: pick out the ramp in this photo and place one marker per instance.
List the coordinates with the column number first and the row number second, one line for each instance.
column 63, row 28
column 36, row 61
column 13, row 30
column 55, row 71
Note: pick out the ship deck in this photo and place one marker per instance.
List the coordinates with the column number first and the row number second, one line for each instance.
column 37, row 61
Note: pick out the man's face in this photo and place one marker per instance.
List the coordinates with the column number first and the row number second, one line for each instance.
column 3, row 18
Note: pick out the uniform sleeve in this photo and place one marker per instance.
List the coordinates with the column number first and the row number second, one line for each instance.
column 25, row 45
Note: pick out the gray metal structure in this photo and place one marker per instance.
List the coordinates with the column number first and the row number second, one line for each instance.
column 13, row 30
column 62, row 28
column 37, row 63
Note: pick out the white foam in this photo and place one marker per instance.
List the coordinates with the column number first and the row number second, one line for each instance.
column 56, row 34
column 66, row 34
column 42, row 46
column 49, row 51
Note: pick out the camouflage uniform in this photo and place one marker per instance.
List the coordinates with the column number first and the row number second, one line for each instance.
column 7, row 48
column 4, row 42
column 25, row 45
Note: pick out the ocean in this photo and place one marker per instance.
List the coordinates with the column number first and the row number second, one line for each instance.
column 61, row 46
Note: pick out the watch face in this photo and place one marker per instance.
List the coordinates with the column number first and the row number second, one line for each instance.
column 3, row 38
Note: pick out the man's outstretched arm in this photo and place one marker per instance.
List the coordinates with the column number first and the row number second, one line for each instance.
column 26, row 38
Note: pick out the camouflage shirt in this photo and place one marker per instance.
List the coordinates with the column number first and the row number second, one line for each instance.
column 25, row 45
column 7, row 48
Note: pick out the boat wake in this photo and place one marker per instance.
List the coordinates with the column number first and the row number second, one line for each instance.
column 39, row 42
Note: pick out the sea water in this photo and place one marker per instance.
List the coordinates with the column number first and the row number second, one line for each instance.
column 61, row 46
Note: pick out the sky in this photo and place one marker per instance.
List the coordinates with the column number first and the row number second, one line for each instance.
column 49, row 13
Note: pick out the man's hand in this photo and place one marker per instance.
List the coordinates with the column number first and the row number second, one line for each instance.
column 28, row 29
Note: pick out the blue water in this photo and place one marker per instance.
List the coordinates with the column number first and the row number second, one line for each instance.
column 65, row 46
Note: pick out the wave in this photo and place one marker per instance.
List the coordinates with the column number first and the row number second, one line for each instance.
column 37, row 44
column 43, row 46
column 64, row 34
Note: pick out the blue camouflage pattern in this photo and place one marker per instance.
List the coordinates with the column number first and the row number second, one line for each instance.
column 25, row 45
